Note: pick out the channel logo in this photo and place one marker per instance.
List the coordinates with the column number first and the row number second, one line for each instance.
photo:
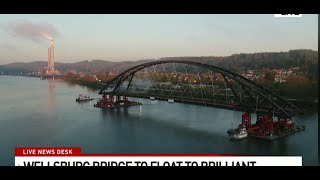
column 288, row 15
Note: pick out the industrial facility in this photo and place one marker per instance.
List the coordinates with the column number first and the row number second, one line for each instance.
column 50, row 70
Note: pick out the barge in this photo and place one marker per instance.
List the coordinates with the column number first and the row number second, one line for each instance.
column 110, row 103
column 265, row 128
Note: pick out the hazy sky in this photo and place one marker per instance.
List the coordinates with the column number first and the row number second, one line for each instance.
column 135, row 37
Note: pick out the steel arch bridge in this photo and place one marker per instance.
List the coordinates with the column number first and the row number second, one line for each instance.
column 197, row 83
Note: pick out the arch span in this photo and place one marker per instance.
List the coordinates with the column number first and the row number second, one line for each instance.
column 197, row 83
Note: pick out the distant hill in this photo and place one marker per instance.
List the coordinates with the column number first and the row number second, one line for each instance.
column 93, row 66
column 307, row 60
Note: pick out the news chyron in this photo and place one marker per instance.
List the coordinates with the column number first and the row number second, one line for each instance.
column 75, row 157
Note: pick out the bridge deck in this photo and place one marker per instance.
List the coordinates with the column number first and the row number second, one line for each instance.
column 202, row 102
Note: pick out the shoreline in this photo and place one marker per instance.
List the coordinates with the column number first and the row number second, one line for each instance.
column 306, row 105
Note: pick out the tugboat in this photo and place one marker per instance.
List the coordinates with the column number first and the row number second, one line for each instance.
column 242, row 134
column 83, row 98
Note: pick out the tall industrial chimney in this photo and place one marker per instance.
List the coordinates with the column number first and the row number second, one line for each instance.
column 51, row 57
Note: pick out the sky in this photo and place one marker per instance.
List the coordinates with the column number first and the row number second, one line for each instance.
column 130, row 37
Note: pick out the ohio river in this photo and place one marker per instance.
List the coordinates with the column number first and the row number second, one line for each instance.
column 36, row 113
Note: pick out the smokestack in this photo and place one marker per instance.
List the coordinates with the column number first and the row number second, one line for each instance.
column 48, row 58
column 52, row 55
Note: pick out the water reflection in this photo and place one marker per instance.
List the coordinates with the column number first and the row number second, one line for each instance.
column 49, row 120
column 52, row 96
column 85, row 104
column 71, row 85
column 115, row 113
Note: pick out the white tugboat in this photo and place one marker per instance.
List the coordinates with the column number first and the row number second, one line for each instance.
column 170, row 100
column 242, row 134
column 83, row 98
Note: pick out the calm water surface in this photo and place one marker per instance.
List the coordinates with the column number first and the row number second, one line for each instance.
column 36, row 112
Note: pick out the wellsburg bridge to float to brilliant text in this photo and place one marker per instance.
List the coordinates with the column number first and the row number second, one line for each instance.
column 139, row 163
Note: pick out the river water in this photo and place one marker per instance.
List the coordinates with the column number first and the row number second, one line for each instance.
column 36, row 112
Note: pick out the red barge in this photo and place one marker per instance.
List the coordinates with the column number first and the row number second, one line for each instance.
column 266, row 127
column 109, row 102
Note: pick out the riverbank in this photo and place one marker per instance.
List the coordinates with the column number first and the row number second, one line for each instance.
column 91, row 85
column 307, row 105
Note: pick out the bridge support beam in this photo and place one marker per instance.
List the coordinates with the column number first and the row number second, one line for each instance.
column 285, row 124
column 246, row 120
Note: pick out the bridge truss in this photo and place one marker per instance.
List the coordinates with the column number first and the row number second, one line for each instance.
column 197, row 83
